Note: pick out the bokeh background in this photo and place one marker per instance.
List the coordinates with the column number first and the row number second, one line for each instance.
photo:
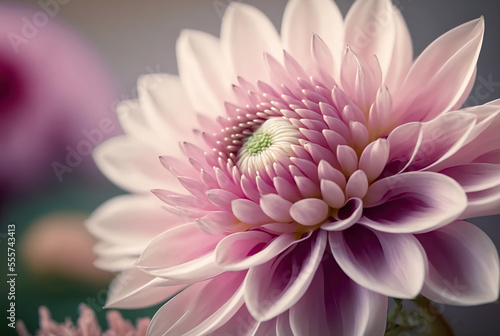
column 130, row 38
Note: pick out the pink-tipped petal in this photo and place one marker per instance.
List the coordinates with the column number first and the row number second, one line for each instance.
column 374, row 158
column 276, row 207
column 309, row 211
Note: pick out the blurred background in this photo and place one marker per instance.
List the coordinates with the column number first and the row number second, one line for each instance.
column 67, row 69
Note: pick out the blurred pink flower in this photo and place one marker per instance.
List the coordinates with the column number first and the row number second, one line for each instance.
column 87, row 325
column 53, row 87
column 329, row 177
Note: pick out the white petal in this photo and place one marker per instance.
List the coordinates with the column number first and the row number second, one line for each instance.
column 370, row 27
column 246, row 33
column 136, row 289
column 132, row 165
column 302, row 19
column 162, row 97
column 203, row 71
column 162, row 258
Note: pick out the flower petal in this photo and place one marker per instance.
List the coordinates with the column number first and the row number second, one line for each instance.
column 331, row 310
column 162, row 258
column 161, row 110
column 441, row 74
column 309, row 211
column 246, row 33
column 413, row 202
column 370, row 27
column 115, row 223
column 386, row 263
column 134, row 288
column 463, row 265
column 273, row 287
column 203, row 71
column 276, row 207
column 214, row 305
column 302, row 19
column 249, row 212
column 132, row 165
column 347, row 216
column 243, row 250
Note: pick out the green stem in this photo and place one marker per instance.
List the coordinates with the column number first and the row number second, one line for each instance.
column 436, row 322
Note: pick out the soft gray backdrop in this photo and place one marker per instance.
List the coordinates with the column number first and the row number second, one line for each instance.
column 137, row 37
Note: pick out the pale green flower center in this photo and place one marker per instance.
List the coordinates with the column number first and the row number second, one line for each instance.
column 259, row 141
column 272, row 142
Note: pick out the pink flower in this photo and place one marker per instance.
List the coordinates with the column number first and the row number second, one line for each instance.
column 325, row 179
column 53, row 87
column 87, row 325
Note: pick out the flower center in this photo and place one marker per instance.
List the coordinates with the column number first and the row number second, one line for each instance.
column 258, row 142
column 271, row 142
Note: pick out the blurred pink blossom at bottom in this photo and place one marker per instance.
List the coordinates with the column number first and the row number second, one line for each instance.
column 86, row 325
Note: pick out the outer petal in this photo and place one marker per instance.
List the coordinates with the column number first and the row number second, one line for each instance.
column 483, row 138
column 413, row 202
column 272, row 288
column 162, row 258
column 214, row 305
column 242, row 323
column 136, row 289
column 132, row 165
column 331, row 309
column 162, row 97
column 246, row 249
column 203, row 71
column 370, row 27
column 402, row 55
column 441, row 74
column 116, row 224
column 302, row 19
column 246, row 33
column 389, row 264
column 463, row 265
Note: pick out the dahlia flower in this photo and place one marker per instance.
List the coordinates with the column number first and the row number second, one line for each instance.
column 319, row 172
column 87, row 325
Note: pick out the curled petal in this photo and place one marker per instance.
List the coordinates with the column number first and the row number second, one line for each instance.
column 413, row 202
column 273, row 287
column 243, row 250
column 386, row 263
